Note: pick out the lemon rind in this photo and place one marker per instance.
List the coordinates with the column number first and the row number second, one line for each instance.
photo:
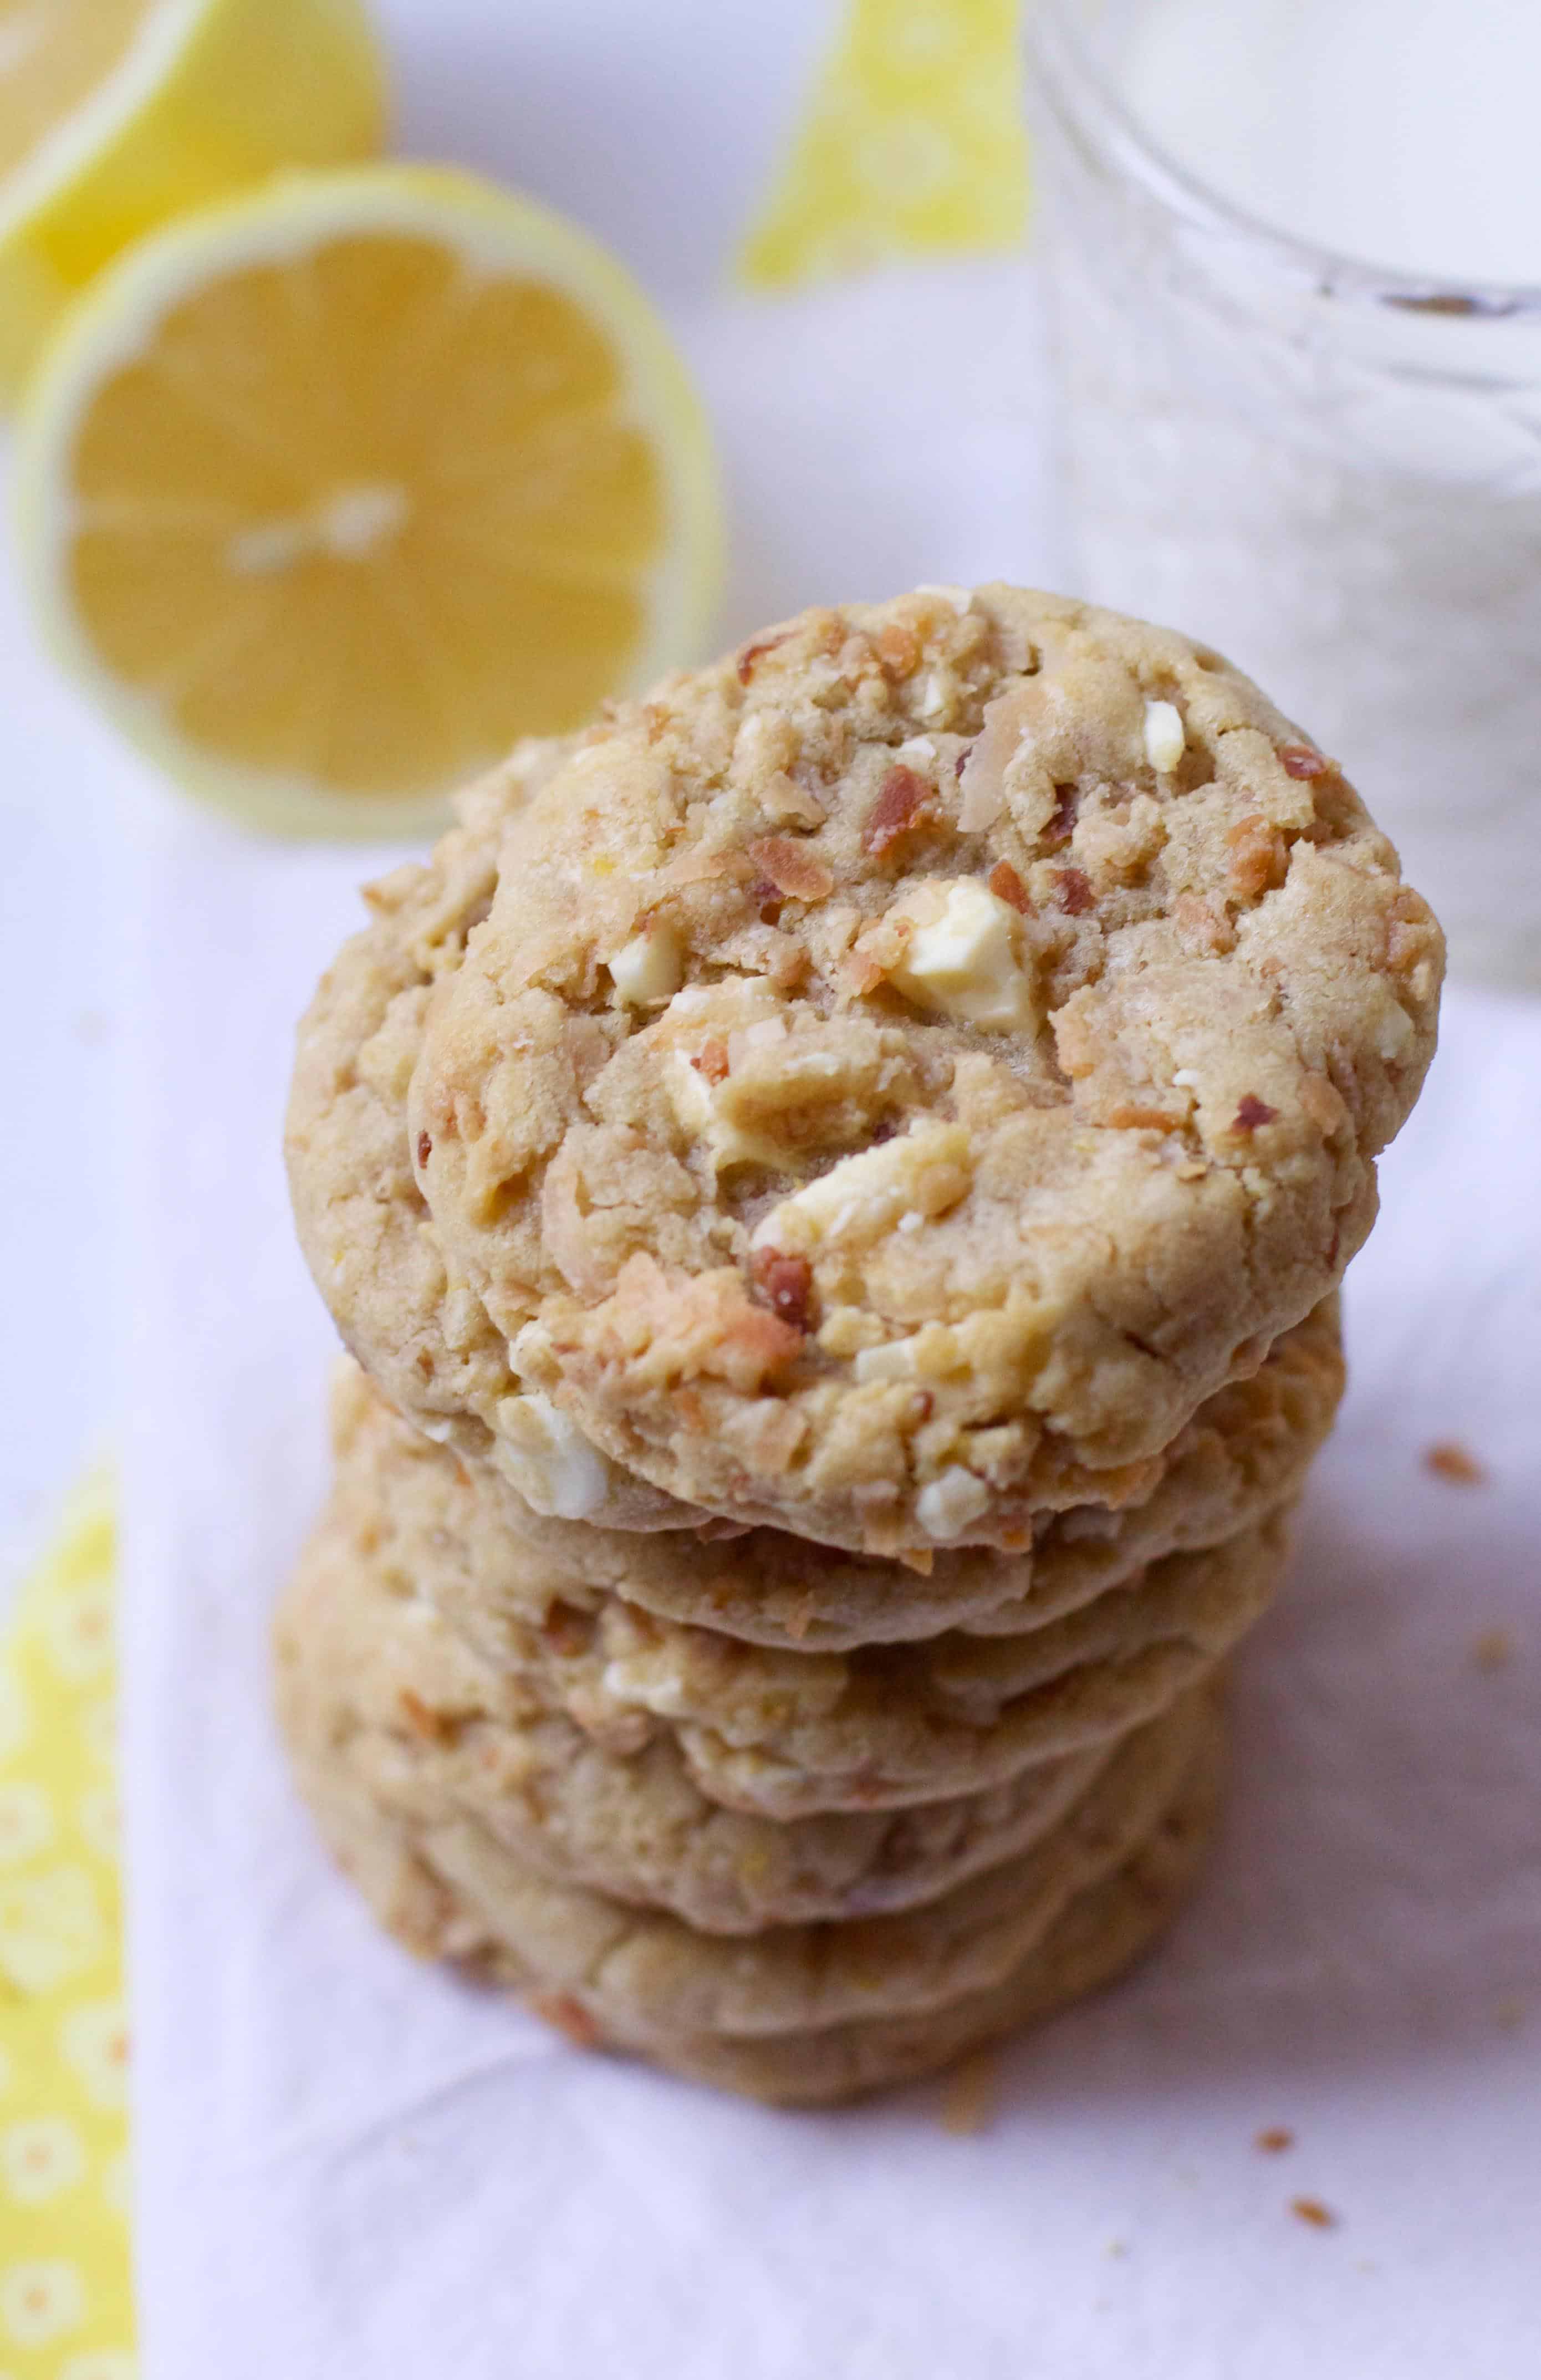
column 174, row 124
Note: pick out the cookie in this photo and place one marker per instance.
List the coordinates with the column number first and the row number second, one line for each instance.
column 792, row 1733
column 409, row 1316
column 494, row 1562
column 1101, row 1931
column 431, row 1734
column 924, row 1055
column 878, row 1737
column 640, row 1973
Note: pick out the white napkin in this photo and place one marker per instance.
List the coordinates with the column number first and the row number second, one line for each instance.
column 349, row 2165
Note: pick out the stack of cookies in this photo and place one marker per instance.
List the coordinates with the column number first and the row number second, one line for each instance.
column 835, row 1180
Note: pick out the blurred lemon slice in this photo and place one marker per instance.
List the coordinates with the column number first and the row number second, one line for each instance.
column 117, row 114
column 331, row 492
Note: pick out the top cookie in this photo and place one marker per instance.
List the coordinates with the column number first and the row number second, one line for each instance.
column 927, row 1053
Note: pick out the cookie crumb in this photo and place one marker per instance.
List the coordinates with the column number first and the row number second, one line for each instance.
column 1448, row 1459
column 1494, row 1650
column 1273, row 2138
column 568, row 2016
column 1311, row 2211
column 971, row 2095
column 1510, row 2014
column 1118, row 2247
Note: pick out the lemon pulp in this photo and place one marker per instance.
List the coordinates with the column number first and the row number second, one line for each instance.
column 348, row 516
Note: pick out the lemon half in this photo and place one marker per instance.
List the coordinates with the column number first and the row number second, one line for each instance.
column 331, row 492
column 115, row 115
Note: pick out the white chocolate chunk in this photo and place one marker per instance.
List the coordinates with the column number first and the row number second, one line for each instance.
column 945, row 1508
column 963, row 959
column 847, row 1331
column 551, row 1463
column 1391, row 1023
column 690, row 1096
column 892, row 1361
column 646, row 1681
column 700, row 1114
column 650, row 968
column 922, row 1172
column 1166, row 738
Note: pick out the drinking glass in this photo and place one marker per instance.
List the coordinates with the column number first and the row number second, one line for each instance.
column 1330, row 471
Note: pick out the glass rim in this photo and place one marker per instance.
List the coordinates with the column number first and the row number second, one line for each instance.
column 1334, row 272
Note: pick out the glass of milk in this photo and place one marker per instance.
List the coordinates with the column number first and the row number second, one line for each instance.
column 1295, row 255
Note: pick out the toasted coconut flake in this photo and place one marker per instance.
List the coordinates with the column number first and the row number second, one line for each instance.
column 983, row 782
column 792, row 868
column 905, row 800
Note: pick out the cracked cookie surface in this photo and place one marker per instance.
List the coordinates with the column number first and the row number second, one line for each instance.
column 907, row 1067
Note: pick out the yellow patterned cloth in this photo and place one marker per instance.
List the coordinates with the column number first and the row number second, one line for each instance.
column 914, row 144
column 66, row 2304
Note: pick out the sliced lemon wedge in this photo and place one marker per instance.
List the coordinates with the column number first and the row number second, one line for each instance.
column 115, row 115
column 331, row 492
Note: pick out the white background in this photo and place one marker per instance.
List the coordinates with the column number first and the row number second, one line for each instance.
column 350, row 2165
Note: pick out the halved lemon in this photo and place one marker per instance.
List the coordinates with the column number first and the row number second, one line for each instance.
column 331, row 492
column 115, row 115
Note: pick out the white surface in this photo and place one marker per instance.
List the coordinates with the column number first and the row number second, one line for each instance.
column 349, row 2165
